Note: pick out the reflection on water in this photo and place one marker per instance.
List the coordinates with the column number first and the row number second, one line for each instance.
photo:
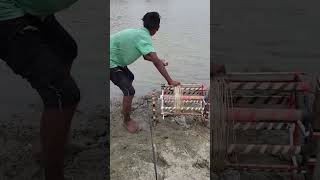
column 183, row 39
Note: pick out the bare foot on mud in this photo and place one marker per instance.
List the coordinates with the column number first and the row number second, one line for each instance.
column 132, row 126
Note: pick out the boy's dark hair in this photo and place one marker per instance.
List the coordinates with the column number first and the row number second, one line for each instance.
column 151, row 20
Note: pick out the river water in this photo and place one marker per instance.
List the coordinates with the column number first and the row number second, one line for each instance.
column 266, row 35
column 183, row 39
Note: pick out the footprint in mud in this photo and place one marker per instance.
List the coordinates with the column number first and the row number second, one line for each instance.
column 201, row 164
column 161, row 161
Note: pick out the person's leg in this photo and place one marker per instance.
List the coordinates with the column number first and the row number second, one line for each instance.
column 127, row 105
column 30, row 56
column 129, row 123
column 119, row 76
column 55, row 123
column 64, row 46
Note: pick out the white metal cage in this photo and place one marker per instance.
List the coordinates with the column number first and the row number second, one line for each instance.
column 192, row 98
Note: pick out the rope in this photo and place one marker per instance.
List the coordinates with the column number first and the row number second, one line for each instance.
column 151, row 133
column 222, row 125
column 177, row 98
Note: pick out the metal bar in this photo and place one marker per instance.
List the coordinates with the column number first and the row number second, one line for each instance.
column 170, row 113
column 199, row 88
column 276, row 86
column 263, row 167
column 264, row 149
column 316, row 135
column 165, row 97
column 262, row 78
column 270, row 105
column 266, row 115
column 261, row 125
column 265, row 73
column 184, row 101
column 186, row 84
column 262, row 101
column 272, row 118
column 263, row 96
column 184, row 108
column 186, row 92
column 312, row 162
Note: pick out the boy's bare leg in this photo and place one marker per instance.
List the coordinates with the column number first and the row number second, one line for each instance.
column 129, row 123
column 55, row 126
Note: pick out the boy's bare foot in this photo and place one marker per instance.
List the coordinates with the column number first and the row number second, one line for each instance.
column 132, row 126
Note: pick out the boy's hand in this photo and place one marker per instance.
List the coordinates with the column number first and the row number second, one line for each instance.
column 165, row 63
column 174, row 83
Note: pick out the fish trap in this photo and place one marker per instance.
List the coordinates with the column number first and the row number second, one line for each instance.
column 270, row 102
column 185, row 99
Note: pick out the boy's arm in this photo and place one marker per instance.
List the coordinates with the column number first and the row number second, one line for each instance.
column 160, row 65
column 165, row 63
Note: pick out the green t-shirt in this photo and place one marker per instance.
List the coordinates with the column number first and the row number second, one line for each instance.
column 10, row 9
column 128, row 45
column 44, row 7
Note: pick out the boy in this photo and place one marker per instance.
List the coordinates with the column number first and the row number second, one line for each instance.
column 125, row 48
column 35, row 46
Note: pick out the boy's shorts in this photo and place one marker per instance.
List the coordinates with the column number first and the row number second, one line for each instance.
column 123, row 78
column 42, row 52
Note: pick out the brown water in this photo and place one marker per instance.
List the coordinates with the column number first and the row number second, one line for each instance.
column 183, row 39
